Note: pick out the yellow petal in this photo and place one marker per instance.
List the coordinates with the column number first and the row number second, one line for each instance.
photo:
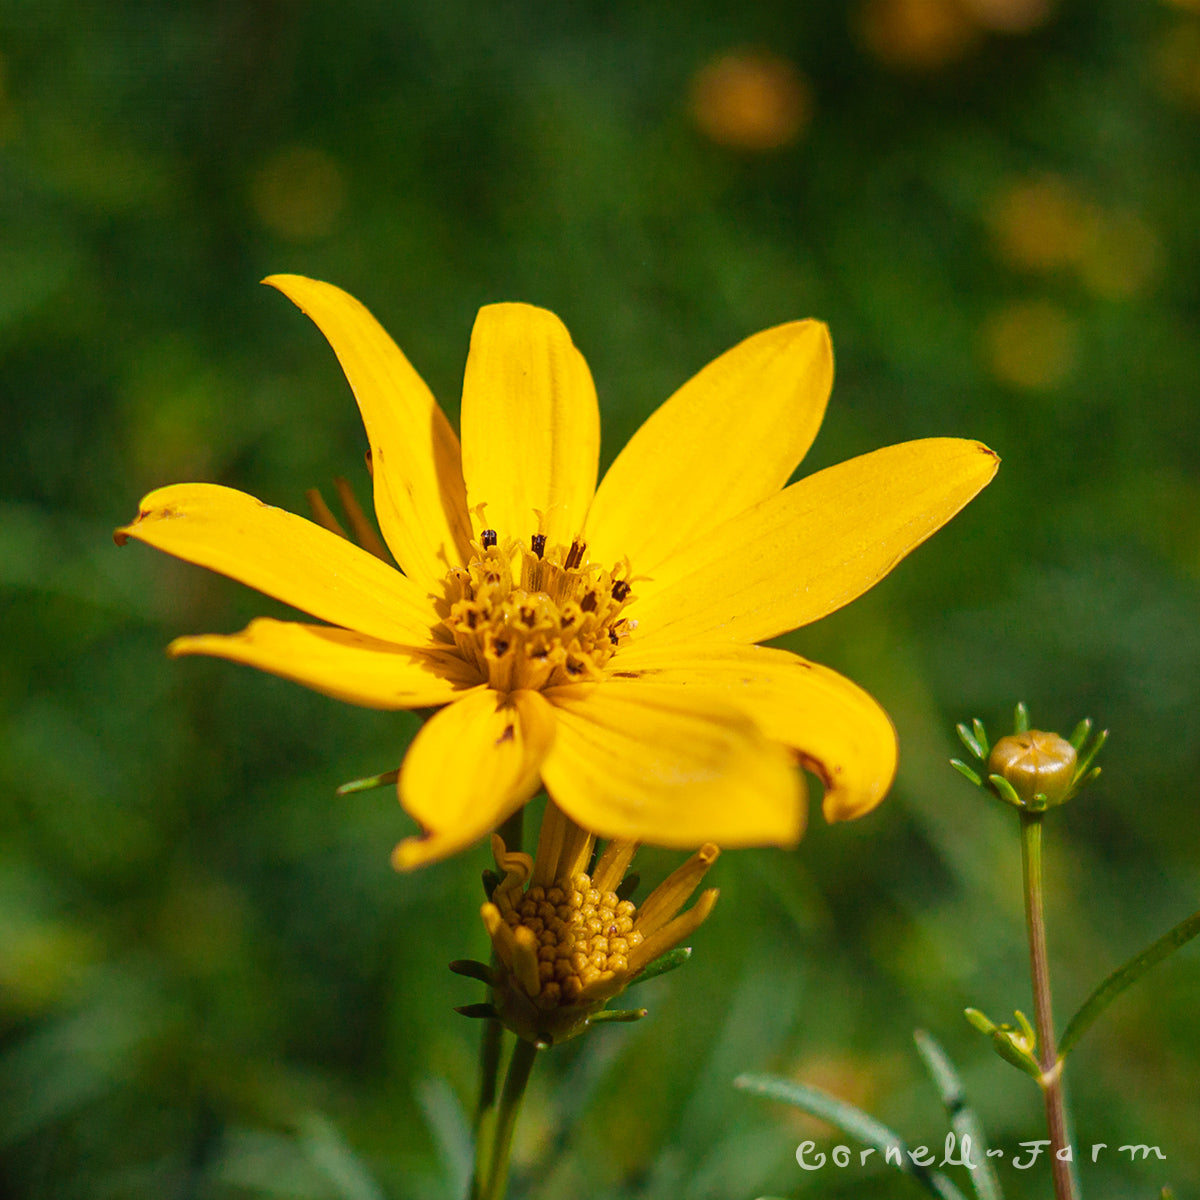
column 348, row 666
column 284, row 556
column 420, row 499
column 631, row 760
column 530, row 425
column 806, row 551
column 839, row 732
column 474, row 763
column 730, row 437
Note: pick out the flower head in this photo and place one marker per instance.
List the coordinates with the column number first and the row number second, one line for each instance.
column 566, row 942
column 599, row 641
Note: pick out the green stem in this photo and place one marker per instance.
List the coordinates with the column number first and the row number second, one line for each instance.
column 492, row 1042
column 1051, row 1081
column 519, row 1068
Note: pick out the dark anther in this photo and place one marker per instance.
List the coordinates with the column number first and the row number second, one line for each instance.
column 500, row 646
column 588, row 603
column 575, row 668
column 620, row 590
column 575, row 554
column 538, row 543
column 488, row 538
column 612, row 637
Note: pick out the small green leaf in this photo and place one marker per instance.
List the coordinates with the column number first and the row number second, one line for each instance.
column 1082, row 730
column 1125, row 975
column 1021, row 718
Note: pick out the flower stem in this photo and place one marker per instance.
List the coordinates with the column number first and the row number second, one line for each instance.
column 519, row 1068
column 491, row 1043
column 1051, row 1081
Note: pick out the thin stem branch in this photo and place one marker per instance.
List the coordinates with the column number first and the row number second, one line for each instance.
column 1039, row 969
column 519, row 1068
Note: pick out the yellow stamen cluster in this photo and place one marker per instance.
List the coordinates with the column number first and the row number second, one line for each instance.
column 535, row 616
column 565, row 943
column 583, row 936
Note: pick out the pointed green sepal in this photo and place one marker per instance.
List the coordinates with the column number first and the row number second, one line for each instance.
column 962, row 768
column 1006, row 791
column 367, row 784
column 1021, row 718
column 975, row 741
column 619, row 1014
column 1085, row 763
column 667, row 962
column 628, row 885
column 482, row 1011
column 473, row 970
column 1080, row 734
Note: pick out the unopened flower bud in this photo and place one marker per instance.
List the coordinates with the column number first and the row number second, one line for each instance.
column 1035, row 764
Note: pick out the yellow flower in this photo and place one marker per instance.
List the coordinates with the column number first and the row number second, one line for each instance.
column 599, row 641
column 565, row 942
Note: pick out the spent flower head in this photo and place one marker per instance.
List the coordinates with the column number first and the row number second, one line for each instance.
column 566, row 941
column 599, row 641
column 1030, row 768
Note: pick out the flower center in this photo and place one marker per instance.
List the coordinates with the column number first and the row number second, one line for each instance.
column 584, row 935
column 536, row 616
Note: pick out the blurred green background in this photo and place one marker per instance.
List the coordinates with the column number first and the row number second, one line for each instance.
column 211, row 983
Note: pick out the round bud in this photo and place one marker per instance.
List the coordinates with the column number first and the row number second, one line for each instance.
column 1035, row 764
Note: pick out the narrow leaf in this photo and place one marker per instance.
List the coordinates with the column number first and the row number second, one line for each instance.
column 852, row 1120
column 324, row 1146
column 963, row 1118
column 1123, row 976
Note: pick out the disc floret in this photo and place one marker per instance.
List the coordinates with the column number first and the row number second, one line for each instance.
column 565, row 940
column 528, row 615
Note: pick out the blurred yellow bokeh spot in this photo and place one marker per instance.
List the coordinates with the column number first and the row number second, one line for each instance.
column 1031, row 344
column 298, row 193
column 1177, row 64
column 751, row 99
column 1040, row 224
column 921, row 34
